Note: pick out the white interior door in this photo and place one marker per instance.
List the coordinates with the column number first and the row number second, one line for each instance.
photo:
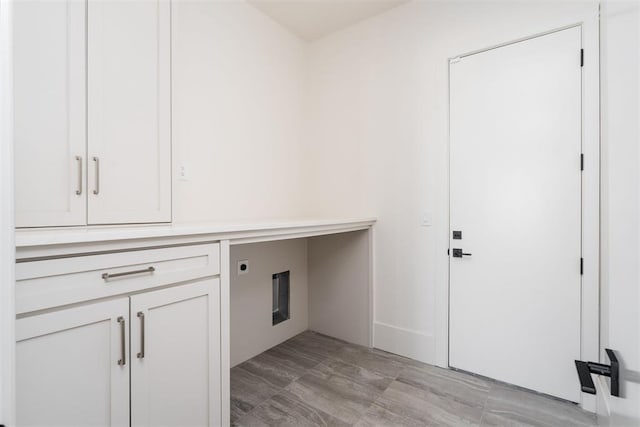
column 49, row 112
column 72, row 366
column 175, row 342
column 516, row 199
column 129, row 117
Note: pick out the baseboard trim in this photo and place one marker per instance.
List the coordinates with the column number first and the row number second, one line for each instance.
column 405, row 342
column 603, row 401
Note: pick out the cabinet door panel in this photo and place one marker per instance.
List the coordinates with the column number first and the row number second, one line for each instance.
column 67, row 370
column 49, row 112
column 129, row 111
column 177, row 381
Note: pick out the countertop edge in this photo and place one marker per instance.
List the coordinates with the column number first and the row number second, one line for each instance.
column 240, row 232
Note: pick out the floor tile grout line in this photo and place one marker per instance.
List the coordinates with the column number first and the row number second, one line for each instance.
column 331, row 355
column 486, row 401
column 393, row 378
column 258, row 376
column 305, row 349
column 364, row 413
column 361, row 367
column 280, row 389
column 381, row 393
column 262, row 401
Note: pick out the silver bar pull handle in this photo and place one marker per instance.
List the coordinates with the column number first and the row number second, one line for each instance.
column 79, row 188
column 107, row 276
column 97, row 189
column 123, row 355
column 141, row 353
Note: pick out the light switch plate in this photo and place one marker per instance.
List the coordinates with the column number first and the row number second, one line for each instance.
column 427, row 219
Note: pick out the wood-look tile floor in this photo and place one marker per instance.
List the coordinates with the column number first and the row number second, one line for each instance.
column 315, row 380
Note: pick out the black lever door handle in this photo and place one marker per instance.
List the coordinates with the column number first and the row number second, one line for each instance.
column 585, row 369
column 457, row 253
column 584, row 375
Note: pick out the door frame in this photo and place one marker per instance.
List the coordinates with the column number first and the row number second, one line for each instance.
column 7, row 246
column 590, row 201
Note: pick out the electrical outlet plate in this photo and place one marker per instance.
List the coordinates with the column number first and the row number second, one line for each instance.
column 183, row 173
column 243, row 267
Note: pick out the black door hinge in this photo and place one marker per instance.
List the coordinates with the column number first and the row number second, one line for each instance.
column 581, row 266
column 581, row 162
column 582, row 57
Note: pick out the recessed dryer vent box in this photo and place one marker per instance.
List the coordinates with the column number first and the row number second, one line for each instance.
column 280, row 285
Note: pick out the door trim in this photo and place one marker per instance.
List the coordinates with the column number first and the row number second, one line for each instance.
column 590, row 201
column 7, row 230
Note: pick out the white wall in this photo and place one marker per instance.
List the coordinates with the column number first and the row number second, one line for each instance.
column 7, row 249
column 620, row 327
column 377, row 143
column 252, row 331
column 238, row 91
column 339, row 287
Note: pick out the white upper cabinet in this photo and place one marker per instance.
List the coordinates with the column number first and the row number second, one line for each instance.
column 129, row 111
column 49, row 112
column 92, row 112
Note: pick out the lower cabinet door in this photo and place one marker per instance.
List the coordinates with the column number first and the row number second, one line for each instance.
column 175, row 351
column 72, row 366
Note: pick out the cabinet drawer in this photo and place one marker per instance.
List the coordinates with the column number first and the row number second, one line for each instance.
column 57, row 282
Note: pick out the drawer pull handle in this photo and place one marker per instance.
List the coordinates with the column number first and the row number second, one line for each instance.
column 96, row 191
column 79, row 188
column 123, row 355
column 107, row 276
column 140, row 355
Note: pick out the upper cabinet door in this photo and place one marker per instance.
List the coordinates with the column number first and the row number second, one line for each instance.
column 129, row 118
column 49, row 112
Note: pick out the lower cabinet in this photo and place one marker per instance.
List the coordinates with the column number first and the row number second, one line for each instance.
column 149, row 359
column 175, row 356
column 72, row 366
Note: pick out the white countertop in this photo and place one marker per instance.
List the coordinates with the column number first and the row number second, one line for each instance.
column 236, row 232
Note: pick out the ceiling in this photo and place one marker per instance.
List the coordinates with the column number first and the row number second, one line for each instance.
column 312, row 19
